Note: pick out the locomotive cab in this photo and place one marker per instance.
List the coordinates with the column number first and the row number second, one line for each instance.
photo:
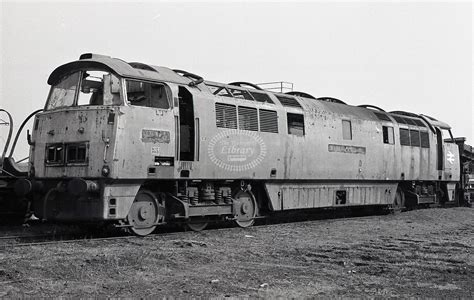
column 102, row 131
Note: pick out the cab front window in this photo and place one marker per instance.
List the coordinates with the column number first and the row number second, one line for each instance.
column 63, row 93
column 85, row 87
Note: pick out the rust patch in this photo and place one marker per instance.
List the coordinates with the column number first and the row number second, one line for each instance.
column 155, row 136
column 346, row 149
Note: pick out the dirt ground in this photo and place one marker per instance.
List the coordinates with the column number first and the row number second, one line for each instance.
column 423, row 253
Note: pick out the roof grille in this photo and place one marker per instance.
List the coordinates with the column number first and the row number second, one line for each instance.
column 288, row 101
column 261, row 97
column 382, row 116
column 419, row 123
column 399, row 119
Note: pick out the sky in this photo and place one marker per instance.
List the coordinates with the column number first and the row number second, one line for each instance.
column 415, row 57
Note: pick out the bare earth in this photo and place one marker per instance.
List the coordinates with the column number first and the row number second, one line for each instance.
column 423, row 253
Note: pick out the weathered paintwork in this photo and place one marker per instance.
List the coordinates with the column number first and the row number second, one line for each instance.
column 296, row 171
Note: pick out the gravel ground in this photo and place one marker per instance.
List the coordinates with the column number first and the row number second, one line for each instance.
column 423, row 253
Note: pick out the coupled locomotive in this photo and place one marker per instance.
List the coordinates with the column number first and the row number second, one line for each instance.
column 142, row 146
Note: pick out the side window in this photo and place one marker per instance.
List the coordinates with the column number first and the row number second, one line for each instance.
column 295, row 124
column 388, row 135
column 346, row 130
column 159, row 96
column 147, row 94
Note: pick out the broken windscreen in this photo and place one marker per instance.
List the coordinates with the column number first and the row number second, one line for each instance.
column 85, row 87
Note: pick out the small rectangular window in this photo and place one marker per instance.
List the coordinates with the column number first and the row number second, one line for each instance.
column 404, row 137
column 226, row 116
column 248, row 119
column 295, row 124
column 346, row 130
column 76, row 153
column 415, row 138
column 388, row 135
column 54, row 154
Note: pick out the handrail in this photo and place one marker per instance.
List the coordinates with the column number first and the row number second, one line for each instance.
column 427, row 122
column 240, row 83
column 198, row 79
column 20, row 129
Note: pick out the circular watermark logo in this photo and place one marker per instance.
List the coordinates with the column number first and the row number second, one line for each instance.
column 237, row 151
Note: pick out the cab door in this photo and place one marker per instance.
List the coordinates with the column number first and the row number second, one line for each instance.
column 439, row 150
column 187, row 130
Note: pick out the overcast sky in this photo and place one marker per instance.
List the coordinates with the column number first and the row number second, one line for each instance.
column 414, row 57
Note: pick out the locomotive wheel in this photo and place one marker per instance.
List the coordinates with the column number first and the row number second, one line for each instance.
column 246, row 209
column 144, row 213
column 399, row 202
column 197, row 223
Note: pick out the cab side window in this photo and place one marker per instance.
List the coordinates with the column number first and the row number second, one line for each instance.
column 147, row 94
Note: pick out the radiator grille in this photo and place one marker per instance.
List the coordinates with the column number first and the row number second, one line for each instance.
column 248, row 119
column 415, row 138
column 268, row 121
column 425, row 139
column 226, row 116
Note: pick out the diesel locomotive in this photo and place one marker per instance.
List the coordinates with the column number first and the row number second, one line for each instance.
column 142, row 146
